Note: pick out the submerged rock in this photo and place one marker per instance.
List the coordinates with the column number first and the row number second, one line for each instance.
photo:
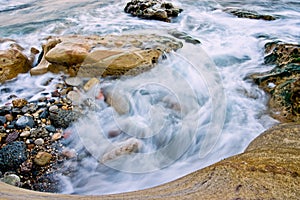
column 242, row 13
column 63, row 118
column 12, row 61
column 11, row 179
column 111, row 55
column 152, row 9
column 282, row 82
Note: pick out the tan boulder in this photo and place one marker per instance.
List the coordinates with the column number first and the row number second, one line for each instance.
column 12, row 61
column 111, row 55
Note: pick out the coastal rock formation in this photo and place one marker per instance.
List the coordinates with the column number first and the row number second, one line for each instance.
column 268, row 169
column 242, row 13
column 111, row 55
column 12, row 60
column 282, row 82
column 152, row 9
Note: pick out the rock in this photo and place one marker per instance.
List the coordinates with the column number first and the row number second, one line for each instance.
column 26, row 166
column 12, row 155
column 90, row 84
column 56, row 136
column 39, row 141
column 39, row 132
column 19, row 103
column 69, row 153
column 2, row 120
column 242, row 13
column 11, row 179
column 9, row 117
column 44, row 114
column 24, row 121
column 282, row 82
column 118, row 101
column 152, row 9
column 12, row 62
column 53, row 108
column 123, row 148
column 50, row 128
column 12, row 137
column 75, row 97
column 42, row 158
column 110, row 55
column 25, row 134
column 73, row 81
column 63, row 118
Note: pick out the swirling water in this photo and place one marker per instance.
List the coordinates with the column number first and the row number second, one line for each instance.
column 209, row 81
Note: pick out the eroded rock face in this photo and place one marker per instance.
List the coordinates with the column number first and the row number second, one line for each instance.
column 12, row 60
column 242, row 13
column 111, row 55
column 283, row 81
column 152, row 9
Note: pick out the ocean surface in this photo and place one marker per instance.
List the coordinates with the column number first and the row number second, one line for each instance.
column 221, row 110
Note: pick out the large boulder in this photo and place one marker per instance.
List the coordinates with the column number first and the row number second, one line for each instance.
column 12, row 60
column 111, row 55
column 152, row 9
column 282, row 82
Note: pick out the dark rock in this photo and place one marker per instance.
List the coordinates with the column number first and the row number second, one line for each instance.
column 24, row 121
column 5, row 110
column 48, row 183
column 184, row 36
column 63, row 118
column 50, row 128
column 12, row 155
column 44, row 114
column 39, row 133
column 152, row 9
column 16, row 111
column 2, row 120
column 242, row 13
column 282, row 82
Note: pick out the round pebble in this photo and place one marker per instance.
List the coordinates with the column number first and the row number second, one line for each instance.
column 25, row 134
column 53, row 108
column 39, row 141
column 73, row 81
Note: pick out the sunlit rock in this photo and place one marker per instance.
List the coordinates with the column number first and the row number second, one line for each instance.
column 12, row 60
column 111, row 55
column 152, row 9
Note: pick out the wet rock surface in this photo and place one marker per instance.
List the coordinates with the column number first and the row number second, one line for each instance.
column 282, row 82
column 152, row 9
column 242, row 13
column 110, row 55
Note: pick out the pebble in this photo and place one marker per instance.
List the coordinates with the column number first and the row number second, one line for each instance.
column 42, row 158
column 75, row 97
column 2, row 120
column 39, row 141
column 73, row 81
column 11, row 179
column 56, row 136
column 9, row 117
column 90, row 84
column 44, row 114
column 24, row 121
column 53, row 108
column 50, row 128
column 69, row 153
column 19, row 103
column 25, row 134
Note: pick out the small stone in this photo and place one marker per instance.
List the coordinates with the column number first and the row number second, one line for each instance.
column 53, row 108
column 19, row 103
column 73, row 81
column 25, row 134
column 24, row 121
column 56, row 136
column 50, row 128
column 69, row 153
column 44, row 114
column 74, row 96
column 39, row 141
column 12, row 137
column 90, row 84
column 42, row 158
column 2, row 120
column 28, row 141
column 9, row 117
column 26, row 166
column 55, row 94
column 11, row 179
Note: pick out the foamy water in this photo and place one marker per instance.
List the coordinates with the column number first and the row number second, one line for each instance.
column 192, row 110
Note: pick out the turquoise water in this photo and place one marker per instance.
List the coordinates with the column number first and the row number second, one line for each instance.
column 232, row 47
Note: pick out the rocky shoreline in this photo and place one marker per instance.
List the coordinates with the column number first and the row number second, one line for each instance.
column 32, row 133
